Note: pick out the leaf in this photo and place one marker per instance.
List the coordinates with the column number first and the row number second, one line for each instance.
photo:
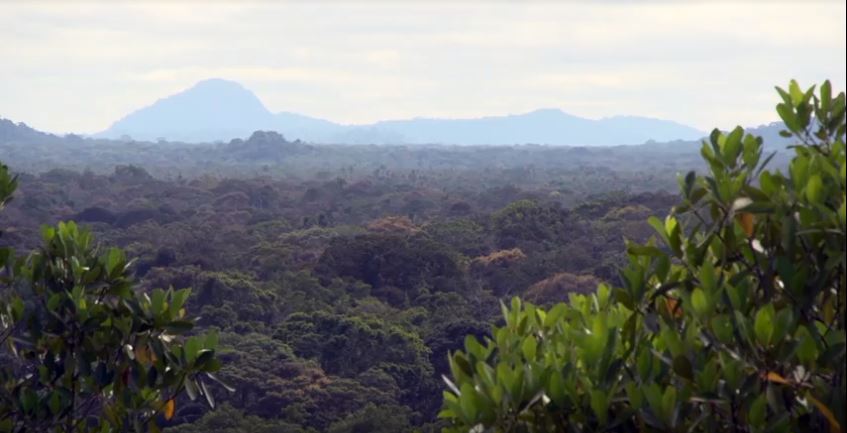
column 191, row 389
column 600, row 405
column 114, row 257
column 795, row 92
column 813, row 188
column 203, row 357
column 763, row 325
column 758, row 411
column 682, row 367
column 209, row 397
column 699, row 302
column 231, row 389
column 668, row 404
column 143, row 355
column 467, row 402
column 787, row 114
column 179, row 326
column 659, row 226
column 55, row 300
column 170, row 409
column 834, row 426
column 747, row 221
column 529, row 348
column 708, row 277
column 674, row 308
column 807, row 350
column 775, row 377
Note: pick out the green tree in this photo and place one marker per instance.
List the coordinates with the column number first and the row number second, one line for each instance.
column 734, row 320
column 82, row 350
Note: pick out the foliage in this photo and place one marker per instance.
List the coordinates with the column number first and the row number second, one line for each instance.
column 82, row 350
column 397, row 267
column 349, row 346
column 339, row 276
column 735, row 321
column 373, row 419
column 227, row 419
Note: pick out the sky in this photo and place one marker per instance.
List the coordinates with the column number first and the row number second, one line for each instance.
column 78, row 67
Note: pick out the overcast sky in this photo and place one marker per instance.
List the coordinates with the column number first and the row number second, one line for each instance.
column 76, row 67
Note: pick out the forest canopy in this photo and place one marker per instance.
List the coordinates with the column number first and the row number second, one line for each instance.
column 332, row 288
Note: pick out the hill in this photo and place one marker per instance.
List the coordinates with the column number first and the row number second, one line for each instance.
column 219, row 109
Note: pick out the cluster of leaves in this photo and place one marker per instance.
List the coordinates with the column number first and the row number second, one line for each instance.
column 82, row 350
column 735, row 321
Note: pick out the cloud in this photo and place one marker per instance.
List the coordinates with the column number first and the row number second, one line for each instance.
column 78, row 67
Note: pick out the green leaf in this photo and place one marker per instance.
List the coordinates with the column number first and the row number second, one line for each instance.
column 157, row 302
column 178, row 299
column 826, row 96
column 203, row 357
column 635, row 396
column 28, row 399
column 669, row 404
column 659, row 226
column 722, row 328
column 529, row 348
column 699, row 302
column 54, row 301
column 192, row 348
column 758, row 410
column 788, row 116
column 600, row 405
column 708, row 277
column 179, row 326
column 795, row 92
column 211, row 340
column 556, row 388
column 114, row 258
column 814, row 188
column 807, row 349
column 47, row 233
column 783, row 94
column 763, row 325
column 468, row 402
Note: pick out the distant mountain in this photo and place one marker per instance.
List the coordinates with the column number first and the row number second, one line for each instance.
column 11, row 132
column 548, row 126
column 219, row 109
column 212, row 110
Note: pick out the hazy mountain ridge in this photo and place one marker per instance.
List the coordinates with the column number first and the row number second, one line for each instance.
column 219, row 109
column 269, row 153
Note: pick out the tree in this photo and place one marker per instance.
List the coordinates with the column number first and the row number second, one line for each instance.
column 733, row 321
column 82, row 350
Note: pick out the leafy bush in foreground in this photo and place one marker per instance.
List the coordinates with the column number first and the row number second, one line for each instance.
column 732, row 321
column 82, row 350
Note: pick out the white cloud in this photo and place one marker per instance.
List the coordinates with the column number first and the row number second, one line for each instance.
column 78, row 67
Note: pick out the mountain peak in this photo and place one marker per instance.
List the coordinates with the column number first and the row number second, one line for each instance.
column 207, row 111
column 547, row 111
column 217, row 85
column 219, row 91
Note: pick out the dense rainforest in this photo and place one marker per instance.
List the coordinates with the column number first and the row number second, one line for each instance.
column 339, row 279
column 338, row 298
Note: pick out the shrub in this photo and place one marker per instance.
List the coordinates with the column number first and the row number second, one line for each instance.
column 732, row 321
column 81, row 350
